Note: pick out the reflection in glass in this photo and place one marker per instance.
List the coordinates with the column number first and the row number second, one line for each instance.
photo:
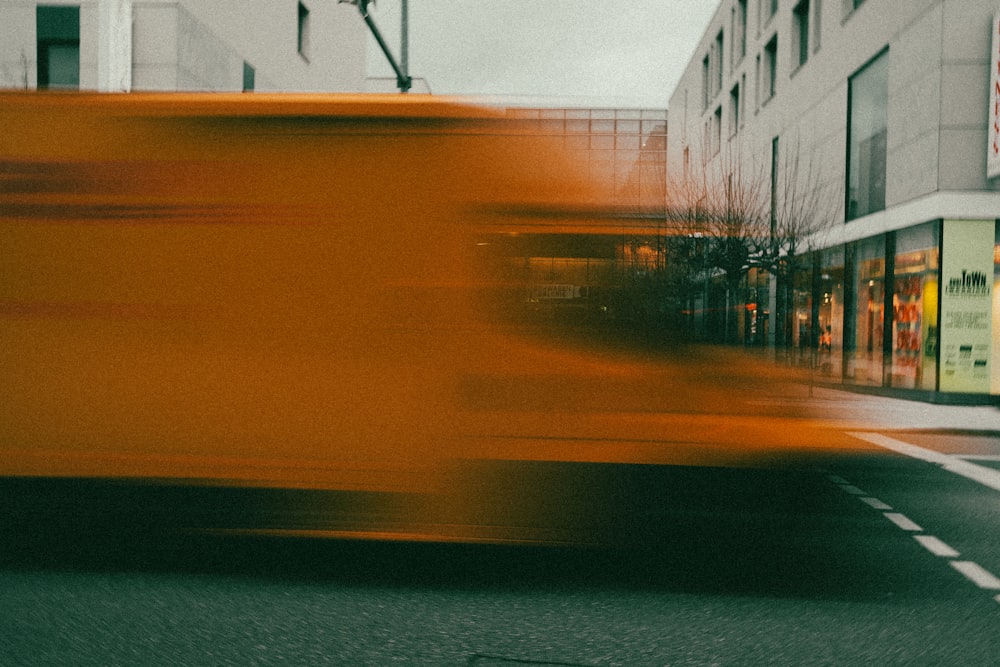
column 868, row 101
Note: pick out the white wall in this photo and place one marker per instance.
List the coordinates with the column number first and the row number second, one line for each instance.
column 196, row 45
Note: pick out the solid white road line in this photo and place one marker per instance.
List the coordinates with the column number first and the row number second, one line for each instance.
column 902, row 521
column 983, row 475
column 976, row 574
column 936, row 546
column 876, row 503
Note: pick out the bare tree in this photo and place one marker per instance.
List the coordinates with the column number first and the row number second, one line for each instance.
column 804, row 204
column 735, row 200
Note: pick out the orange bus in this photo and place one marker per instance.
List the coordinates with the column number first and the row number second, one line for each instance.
column 303, row 292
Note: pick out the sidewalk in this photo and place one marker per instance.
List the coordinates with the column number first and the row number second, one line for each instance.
column 870, row 412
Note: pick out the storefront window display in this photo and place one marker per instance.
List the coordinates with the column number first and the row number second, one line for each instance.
column 830, row 312
column 995, row 369
column 756, row 316
column 802, row 304
column 864, row 362
column 915, row 308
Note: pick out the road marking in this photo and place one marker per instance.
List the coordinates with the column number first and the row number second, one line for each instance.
column 902, row 521
column 977, row 574
column 936, row 546
column 876, row 503
column 974, row 572
column 853, row 490
column 981, row 474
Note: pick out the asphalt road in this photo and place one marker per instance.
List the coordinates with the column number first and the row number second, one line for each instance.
column 865, row 559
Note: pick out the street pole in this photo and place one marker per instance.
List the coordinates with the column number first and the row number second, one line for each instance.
column 404, row 44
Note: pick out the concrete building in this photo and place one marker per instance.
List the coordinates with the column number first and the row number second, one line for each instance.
column 862, row 129
column 182, row 45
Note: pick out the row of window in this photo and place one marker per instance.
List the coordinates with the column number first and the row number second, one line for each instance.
column 867, row 131
column 868, row 97
column 58, row 46
column 805, row 36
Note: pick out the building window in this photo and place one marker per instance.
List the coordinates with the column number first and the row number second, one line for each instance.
column 743, row 97
column 249, row 74
column 711, row 71
column 769, row 8
column 770, row 68
column 850, row 5
column 739, row 31
column 58, row 30
column 774, row 188
column 800, row 33
column 718, row 62
column 867, row 123
column 817, row 23
column 706, row 78
column 734, row 110
column 303, row 31
column 717, row 131
column 756, row 86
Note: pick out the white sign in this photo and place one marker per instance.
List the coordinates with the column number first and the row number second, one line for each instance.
column 993, row 147
column 966, row 305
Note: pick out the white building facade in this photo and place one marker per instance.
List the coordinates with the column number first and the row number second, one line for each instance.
column 182, row 45
column 866, row 125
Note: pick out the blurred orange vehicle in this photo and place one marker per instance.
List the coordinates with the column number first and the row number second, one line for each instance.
column 303, row 292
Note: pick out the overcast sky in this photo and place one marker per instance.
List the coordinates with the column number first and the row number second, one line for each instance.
column 621, row 53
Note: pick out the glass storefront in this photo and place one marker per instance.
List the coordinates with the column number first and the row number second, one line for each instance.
column 915, row 308
column 994, row 372
column 864, row 362
column 830, row 312
column 871, row 309
column 756, row 316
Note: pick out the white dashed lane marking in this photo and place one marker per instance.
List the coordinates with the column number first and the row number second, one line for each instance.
column 974, row 572
column 977, row 575
column 875, row 503
column 903, row 522
column 936, row 546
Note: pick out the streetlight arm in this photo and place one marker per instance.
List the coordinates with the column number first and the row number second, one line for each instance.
column 403, row 80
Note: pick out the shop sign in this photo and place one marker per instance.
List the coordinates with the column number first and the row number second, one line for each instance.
column 966, row 305
column 993, row 147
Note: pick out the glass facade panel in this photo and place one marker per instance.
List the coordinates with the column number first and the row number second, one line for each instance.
column 802, row 302
column 830, row 312
column 602, row 142
column 915, row 308
column 864, row 363
column 756, row 319
column 58, row 47
column 868, row 105
column 995, row 352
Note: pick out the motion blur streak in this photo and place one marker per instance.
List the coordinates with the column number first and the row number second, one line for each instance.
column 298, row 292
